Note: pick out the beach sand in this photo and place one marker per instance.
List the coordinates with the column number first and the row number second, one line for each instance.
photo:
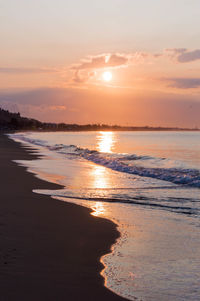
column 49, row 250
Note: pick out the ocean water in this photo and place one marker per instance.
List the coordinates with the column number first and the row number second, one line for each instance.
column 148, row 183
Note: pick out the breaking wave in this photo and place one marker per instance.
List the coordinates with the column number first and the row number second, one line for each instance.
column 122, row 162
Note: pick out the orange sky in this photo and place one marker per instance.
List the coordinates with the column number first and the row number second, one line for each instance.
column 53, row 58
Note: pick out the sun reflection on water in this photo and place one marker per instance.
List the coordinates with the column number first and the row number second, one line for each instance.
column 105, row 142
column 99, row 209
column 100, row 177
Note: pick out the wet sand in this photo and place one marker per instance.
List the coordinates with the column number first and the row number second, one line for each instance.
column 49, row 250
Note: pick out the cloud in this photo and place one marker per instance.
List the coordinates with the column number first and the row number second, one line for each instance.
column 116, row 60
column 183, row 55
column 25, row 70
column 87, row 68
column 57, row 108
column 176, row 50
column 78, row 79
column 102, row 61
column 189, row 56
column 184, row 83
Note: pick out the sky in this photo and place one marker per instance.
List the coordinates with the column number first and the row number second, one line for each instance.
column 54, row 56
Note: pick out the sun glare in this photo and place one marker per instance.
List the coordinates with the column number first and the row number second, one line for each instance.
column 105, row 142
column 107, row 76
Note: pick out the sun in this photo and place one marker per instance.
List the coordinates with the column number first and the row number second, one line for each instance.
column 107, row 76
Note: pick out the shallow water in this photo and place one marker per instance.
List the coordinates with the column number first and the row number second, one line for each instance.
column 149, row 184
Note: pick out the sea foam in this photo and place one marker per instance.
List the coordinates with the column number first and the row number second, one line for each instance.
column 122, row 162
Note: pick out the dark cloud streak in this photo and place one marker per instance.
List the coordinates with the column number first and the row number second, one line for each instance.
column 10, row 70
column 184, row 55
column 189, row 56
column 183, row 83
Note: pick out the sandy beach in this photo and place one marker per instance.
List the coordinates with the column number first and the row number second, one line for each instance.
column 50, row 250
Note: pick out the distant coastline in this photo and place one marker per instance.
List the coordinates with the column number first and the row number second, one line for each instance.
column 14, row 121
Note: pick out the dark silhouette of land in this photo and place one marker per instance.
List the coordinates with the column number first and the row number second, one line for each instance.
column 14, row 121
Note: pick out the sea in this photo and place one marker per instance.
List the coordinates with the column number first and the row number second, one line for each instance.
column 148, row 183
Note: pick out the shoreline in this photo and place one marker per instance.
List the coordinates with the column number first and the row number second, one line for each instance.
column 50, row 250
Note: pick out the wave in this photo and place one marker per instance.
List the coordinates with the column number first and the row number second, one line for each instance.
column 152, row 203
column 120, row 163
